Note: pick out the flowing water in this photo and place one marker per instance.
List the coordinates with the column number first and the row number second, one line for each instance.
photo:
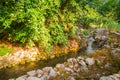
column 18, row 70
column 92, row 46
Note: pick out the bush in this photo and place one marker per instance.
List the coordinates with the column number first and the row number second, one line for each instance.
column 36, row 22
column 48, row 22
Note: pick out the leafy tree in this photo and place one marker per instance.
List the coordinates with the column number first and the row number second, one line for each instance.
column 48, row 22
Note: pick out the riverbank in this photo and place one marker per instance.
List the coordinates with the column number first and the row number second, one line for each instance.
column 21, row 55
column 102, row 61
column 95, row 66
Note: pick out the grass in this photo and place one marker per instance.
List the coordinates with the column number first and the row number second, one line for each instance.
column 4, row 50
column 112, row 25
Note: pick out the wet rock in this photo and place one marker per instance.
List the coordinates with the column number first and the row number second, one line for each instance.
column 31, row 73
column 90, row 61
column 33, row 78
column 22, row 77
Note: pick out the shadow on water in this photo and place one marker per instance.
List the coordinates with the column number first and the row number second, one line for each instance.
column 19, row 70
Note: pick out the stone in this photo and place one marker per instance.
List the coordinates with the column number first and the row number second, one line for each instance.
column 80, row 58
column 101, row 34
column 84, row 69
column 119, row 72
column 114, row 77
column 32, row 73
column 68, row 69
column 52, row 73
column 22, row 77
column 90, row 61
column 70, row 60
column 33, row 78
column 47, row 69
column 44, row 77
column 115, row 53
column 117, row 75
column 11, row 79
column 39, row 71
column 103, row 78
column 107, row 65
column 71, row 78
column 39, row 75
column 82, row 63
column 60, row 67
column 111, row 77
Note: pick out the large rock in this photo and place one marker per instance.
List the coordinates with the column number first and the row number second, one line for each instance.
column 22, row 77
column 106, row 78
column 39, row 71
column 60, row 67
column 80, row 58
column 69, row 69
column 116, row 53
column 111, row 77
column 82, row 63
column 90, row 61
column 101, row 34
column 52, row 73
column 46, row 70
column 32, row 73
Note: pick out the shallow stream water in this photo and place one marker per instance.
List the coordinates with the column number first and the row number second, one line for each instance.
column 19, row 70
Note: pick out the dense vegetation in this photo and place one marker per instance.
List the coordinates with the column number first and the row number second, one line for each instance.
column 48, row 22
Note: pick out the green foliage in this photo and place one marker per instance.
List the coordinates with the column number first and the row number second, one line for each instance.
column 100, row 13
column 39, row 23
column 48, row 22
column 85, row 32
column 5, row 50
column 112, row 25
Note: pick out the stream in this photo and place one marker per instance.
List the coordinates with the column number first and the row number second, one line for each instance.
column 18, row 70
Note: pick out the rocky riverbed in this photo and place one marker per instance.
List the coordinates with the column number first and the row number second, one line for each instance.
column 24, row 55
column 99, row 65
column 92, row 67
